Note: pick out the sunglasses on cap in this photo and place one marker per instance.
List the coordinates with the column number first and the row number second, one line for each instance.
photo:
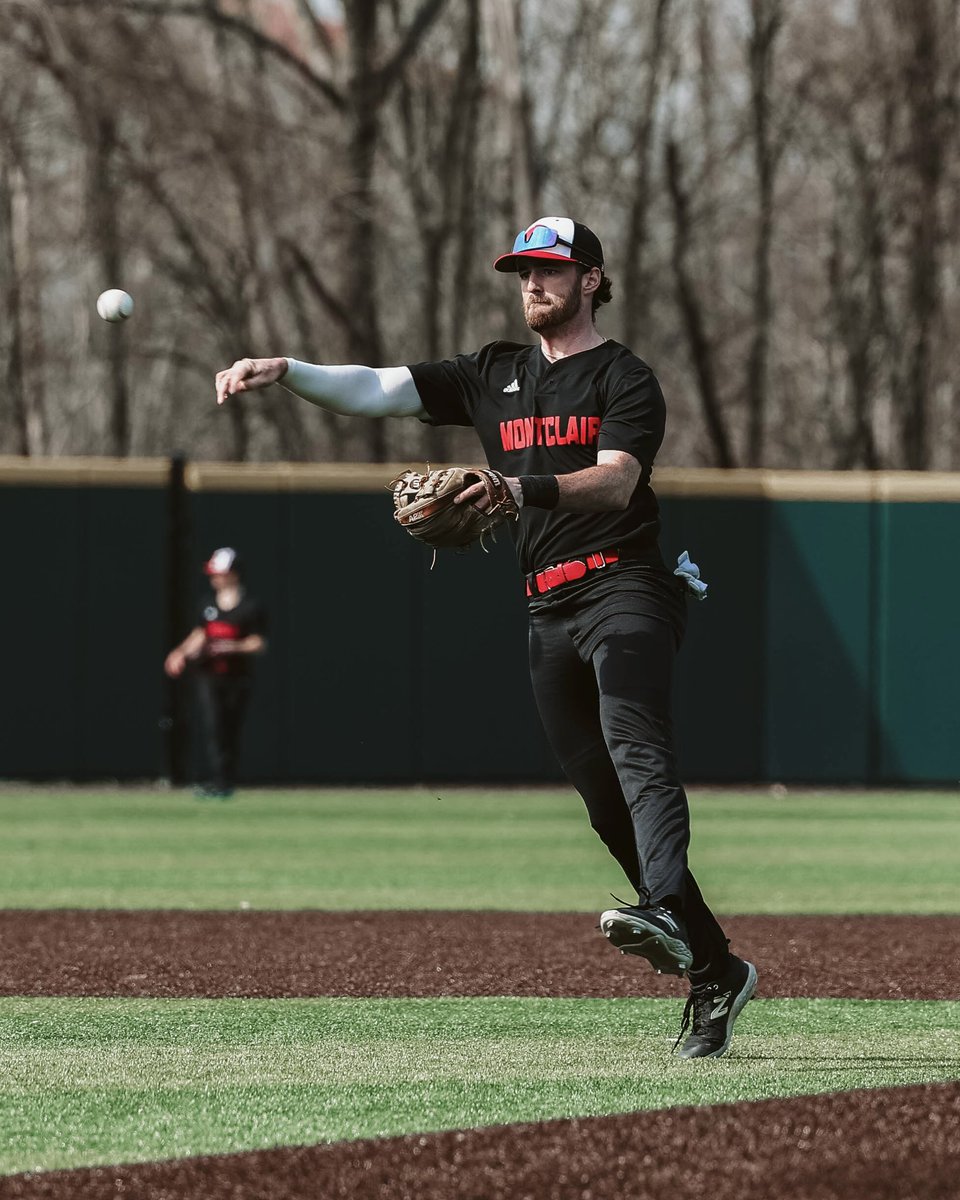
column 545, row 237
column 538, row 237
column 554, row 237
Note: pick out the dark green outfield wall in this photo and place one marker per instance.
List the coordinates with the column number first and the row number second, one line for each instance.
column 82, row 629
column 827, row 652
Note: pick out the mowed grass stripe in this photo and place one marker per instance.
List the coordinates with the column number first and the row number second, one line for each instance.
column 508, row 849
column 100, row 1081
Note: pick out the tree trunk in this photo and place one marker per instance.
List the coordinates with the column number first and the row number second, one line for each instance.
column 918, row 21
column 701, row 350
column 853, row 436
column 504, row 34
column 368, row 88
column 766, row 21
column 27, row 352
column 104, row 232
column 636, row 286
column 711, row 237
column 11, row 333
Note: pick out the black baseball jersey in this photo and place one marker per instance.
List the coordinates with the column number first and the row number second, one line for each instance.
column 535, row 417
column 247, row 618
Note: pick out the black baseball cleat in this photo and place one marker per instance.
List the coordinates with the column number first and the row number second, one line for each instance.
column 714, row 1007
column 654, row 933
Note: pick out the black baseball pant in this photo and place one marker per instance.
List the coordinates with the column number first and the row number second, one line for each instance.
column 223, row 705
column 602, row 677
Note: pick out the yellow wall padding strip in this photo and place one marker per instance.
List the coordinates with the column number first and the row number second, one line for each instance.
column 894, row 486
column 292, row 477
column 83, row 472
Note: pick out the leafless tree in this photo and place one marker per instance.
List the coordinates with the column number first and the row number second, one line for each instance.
column 923, row 36
column 637, row 291
column 692, row 311
column 439, row 110
column 21, row 343
column 775, row 182
column 766, row 18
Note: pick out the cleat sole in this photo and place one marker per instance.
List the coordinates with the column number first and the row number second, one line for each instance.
column 630, row 935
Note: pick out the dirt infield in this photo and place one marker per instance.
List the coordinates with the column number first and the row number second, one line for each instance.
column 109, row 953
column 879, row 1145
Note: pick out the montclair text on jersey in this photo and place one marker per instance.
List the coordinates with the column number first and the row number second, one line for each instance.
column 549, row 431
column 555, row 422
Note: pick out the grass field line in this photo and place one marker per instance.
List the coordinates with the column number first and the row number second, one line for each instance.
column 88, row 1081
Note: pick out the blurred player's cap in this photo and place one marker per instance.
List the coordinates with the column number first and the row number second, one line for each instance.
column 222, row 560
column 560, row 238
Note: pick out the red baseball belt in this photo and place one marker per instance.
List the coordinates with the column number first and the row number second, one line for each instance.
column 566, row 572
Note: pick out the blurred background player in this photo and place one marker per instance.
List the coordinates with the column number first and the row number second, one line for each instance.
column 220, row 648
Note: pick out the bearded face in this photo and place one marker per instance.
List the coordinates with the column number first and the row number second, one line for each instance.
column 551, row 297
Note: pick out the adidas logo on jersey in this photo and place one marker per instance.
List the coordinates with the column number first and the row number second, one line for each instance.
column 513, row 387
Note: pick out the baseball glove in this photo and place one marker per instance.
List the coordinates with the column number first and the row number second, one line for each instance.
column 424, row 505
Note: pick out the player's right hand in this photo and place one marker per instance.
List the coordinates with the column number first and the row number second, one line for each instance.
column 248, row 374
column 174, row 664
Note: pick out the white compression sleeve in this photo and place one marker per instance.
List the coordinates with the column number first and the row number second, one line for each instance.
column 355, row 391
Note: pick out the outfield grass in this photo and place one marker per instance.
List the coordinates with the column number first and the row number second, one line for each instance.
column 807, row 852
column 94, row 1081
column 85, row 1081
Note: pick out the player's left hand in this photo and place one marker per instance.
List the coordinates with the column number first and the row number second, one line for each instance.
column 478, row 494
column 453, row 506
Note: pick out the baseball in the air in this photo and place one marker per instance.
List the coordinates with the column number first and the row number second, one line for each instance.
column 114, row 304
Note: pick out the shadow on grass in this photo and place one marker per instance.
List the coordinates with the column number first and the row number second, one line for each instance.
column 847, row 1062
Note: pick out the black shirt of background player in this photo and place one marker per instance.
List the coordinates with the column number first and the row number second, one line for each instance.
column 535, row 417
column 246, row 619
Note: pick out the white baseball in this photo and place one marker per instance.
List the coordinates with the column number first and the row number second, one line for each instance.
column 114, row 304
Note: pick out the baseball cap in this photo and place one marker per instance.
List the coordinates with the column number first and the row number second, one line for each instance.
column 560, row 238
column 222, row 560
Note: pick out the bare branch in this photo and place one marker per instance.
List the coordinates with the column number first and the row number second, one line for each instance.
column 305, row 269
column 227, row 21
column 418, row 28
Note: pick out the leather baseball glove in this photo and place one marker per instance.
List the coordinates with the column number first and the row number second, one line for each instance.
column 424, row 507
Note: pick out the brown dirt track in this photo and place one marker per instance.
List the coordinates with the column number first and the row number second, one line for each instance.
column 110, row 953
column 877, row 1145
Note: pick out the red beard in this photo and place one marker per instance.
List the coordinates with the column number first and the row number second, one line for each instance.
column 552, row 312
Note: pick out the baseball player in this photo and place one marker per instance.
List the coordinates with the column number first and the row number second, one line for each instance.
column 573, row 424
column 230, row 630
